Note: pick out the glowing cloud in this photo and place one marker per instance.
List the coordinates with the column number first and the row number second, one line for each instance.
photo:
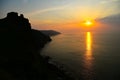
column 107, row 1
column 45, row 10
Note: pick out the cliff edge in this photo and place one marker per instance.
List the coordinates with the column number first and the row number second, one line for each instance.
column 19, row 52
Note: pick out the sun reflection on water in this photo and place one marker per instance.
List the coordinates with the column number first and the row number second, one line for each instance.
column 88, row 59
column 88, row 41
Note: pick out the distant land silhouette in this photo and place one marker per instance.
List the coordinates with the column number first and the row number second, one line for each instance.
column 19, row 51
column 50, row 32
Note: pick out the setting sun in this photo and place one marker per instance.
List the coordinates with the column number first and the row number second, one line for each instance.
column 88, row 23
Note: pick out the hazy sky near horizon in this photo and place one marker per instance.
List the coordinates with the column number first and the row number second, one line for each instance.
column 54, row 12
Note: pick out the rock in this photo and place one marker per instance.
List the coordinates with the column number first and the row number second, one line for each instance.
column 19, row 52
column 19, row 46
column 40, row 38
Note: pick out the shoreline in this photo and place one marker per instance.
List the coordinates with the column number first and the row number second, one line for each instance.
column 19, row 56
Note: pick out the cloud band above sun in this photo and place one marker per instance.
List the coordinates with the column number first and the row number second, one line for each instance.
column 45, row 10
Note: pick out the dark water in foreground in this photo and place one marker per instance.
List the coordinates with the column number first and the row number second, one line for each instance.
column 87, row 55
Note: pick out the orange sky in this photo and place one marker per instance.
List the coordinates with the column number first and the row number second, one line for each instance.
column 62, row 14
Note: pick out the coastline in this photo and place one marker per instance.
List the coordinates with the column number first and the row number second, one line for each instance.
column 19, row 52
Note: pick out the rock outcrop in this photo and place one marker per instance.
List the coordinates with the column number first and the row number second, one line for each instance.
column 19, row 52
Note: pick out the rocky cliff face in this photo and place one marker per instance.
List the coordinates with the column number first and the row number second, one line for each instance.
column 19, row 46
column 19, row 52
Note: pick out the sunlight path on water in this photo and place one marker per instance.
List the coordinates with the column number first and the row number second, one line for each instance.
column 88, row 59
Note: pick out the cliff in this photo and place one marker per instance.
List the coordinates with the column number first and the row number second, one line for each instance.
column 19, row 52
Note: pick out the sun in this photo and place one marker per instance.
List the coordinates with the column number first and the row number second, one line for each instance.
column 88, row 23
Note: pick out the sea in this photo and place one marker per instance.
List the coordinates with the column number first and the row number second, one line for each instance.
column 86, row 55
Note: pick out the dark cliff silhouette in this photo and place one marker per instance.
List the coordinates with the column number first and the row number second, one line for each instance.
column 19, row 52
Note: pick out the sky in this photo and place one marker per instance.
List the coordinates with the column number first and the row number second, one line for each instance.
column 59, row 14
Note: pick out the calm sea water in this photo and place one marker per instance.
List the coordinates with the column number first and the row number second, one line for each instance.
column 87, row 55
